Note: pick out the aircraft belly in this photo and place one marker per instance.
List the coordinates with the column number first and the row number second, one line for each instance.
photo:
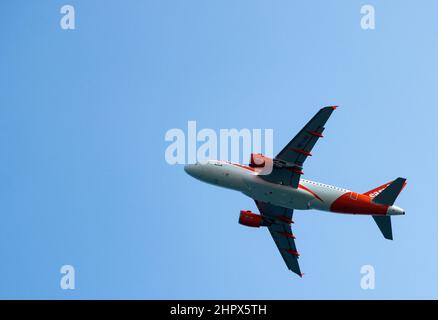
column 279, row 195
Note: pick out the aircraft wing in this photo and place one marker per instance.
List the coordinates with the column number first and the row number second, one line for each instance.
column 281, row 232
column 288, row 164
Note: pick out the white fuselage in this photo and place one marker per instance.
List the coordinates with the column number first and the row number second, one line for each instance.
column 308, row 195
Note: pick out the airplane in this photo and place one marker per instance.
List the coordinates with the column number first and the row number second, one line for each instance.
column 277, row 188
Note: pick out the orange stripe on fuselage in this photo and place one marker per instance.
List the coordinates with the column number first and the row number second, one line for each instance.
column 300, row 186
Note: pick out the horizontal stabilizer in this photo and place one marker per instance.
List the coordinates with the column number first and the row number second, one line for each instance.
column 391, row 192
column 384, row 224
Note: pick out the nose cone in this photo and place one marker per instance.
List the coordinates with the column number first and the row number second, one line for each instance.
column 188, row 168
column 193, row 170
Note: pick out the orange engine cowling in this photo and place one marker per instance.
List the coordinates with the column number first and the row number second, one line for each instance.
column 250, row 219
column 257, row 160
column 263, row 165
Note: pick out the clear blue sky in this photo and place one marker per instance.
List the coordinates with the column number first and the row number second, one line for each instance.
column 83, row 113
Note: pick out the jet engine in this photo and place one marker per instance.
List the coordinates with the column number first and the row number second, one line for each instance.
column 261, row 163
column 251, row 219
column 257, row 160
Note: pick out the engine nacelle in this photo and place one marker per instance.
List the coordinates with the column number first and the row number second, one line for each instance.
column 261, row 163
column 251, row 219
column 257, row 160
